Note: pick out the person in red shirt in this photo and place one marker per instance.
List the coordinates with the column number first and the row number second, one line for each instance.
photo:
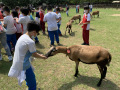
column 86, row 25
column 42, row 23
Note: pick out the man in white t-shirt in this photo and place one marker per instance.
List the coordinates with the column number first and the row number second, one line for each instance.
column 24, row 20
column 59, row 21
column 9, row 25
column 25, row 48
column 51, row 19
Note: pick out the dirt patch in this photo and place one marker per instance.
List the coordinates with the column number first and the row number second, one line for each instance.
column 116, row 15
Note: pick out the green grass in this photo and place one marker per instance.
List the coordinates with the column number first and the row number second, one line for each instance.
column 56, row 73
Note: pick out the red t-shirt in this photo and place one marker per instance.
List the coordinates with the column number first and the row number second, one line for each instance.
column 41, row 16
column 86, row 18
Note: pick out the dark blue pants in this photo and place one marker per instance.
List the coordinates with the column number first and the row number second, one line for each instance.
column 52, row 34
column 30, row 79
column 11, row 38
column 59, row 32
column 76, row 10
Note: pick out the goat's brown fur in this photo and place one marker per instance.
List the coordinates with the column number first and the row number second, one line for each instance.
column 76, row 17
column 95, row 13
column 86, row 54
column 69, row 27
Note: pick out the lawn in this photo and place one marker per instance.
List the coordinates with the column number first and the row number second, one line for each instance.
column 56, row 73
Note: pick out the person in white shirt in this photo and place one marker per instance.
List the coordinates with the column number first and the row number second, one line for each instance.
column 11, row 29
column 3, row 40
column 51, row 19
column 25, row 47
column 59, row 21
column 91, row 6
column 24, row 20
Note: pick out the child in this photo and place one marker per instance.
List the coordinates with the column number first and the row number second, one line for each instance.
column 76, row 8
column 25, row 47
column 42, row 23
column 24, row 20
column 51, row 18
column 59, row 21
column 9, row 25
column 4, row 43
column 86, row 25
column 37, row 18
column 18, row 26
column 67, row 10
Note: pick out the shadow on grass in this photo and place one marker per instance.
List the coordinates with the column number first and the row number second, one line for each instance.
column 73, row 33
column 67, row 34
column 91, row 82
column 40, row 46
column 5, row 66
column 92, row 29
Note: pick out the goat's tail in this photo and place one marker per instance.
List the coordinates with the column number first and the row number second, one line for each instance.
column 109, row 59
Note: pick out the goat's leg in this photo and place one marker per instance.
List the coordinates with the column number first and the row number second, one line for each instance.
column 76, row 68
column 98, row 14
column 101, row 71
column 104, row 72
column 71, row 30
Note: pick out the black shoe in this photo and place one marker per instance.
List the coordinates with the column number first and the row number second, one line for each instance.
column 83, row 44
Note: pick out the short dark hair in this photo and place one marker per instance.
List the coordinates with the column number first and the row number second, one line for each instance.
column 15, row 13
column 58, row 9
column 25, row 11
column 17, row 7
column 5, row 8
column 33, row 26
column 86, row 7
column 49, row 8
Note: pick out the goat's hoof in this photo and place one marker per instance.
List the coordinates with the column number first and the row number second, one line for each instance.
column 98, row 85
column 76, row 75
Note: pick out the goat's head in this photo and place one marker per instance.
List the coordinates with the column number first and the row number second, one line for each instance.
column 71, row 21
column 51, row 52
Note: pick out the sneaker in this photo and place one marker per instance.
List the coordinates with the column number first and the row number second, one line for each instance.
column 10, row 58
column 0, row 57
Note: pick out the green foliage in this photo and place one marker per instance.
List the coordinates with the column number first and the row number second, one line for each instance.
column 13, row 3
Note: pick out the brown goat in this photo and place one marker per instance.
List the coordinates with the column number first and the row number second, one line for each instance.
column 95, row 13
column 76, row 17
column 86, row 54
column 69, row 27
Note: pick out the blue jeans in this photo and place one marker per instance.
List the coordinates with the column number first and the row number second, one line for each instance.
column 11, row 38
column 4, row 44
column 59, row 32
column 51, row 35
column 30, row 79
column 76, row 10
